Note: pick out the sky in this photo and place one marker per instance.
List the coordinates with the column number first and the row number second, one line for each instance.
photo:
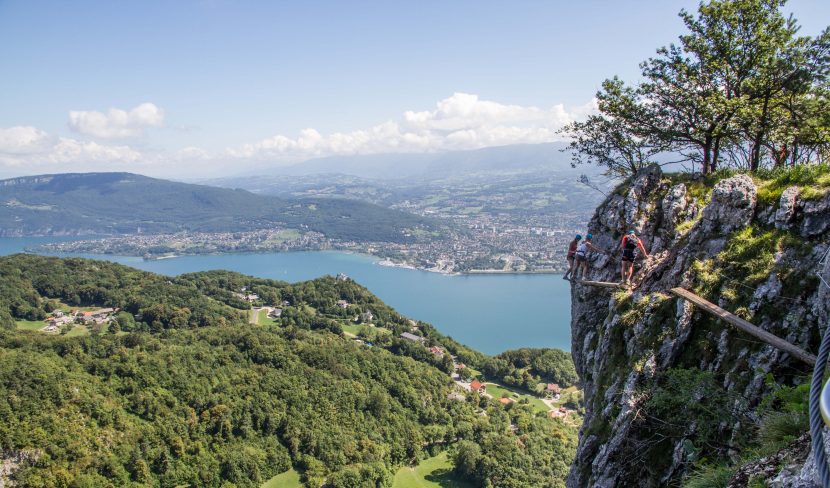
column 198, row 88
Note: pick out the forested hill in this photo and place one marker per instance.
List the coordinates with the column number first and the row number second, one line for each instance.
column 124, row 203
column 181, row 390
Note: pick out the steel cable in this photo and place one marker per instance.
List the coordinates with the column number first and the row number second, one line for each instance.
column 816, row 419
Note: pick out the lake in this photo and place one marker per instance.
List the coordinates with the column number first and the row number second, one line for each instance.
column 490, row 313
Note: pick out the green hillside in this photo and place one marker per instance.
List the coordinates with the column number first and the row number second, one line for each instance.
column 180, row 390
column 124, row 203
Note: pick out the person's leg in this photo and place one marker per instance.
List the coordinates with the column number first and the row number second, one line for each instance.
column 570, row 269
column 624, row 271
column 630, row 271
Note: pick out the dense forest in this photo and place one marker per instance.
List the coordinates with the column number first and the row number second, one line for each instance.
column 180, row 390
column 526, row 367
column 124, row 203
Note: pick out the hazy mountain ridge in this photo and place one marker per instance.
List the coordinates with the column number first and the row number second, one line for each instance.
column 83, row 204
column 409, row 180
column 428, row 166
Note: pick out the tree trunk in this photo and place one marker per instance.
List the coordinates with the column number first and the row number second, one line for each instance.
column 715, row 155
column 755, row 155
column 707, row 156
column 755, row 161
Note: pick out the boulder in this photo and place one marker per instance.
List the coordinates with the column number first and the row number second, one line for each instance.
column 787, row 208
column 732, row 206
column 816, row 217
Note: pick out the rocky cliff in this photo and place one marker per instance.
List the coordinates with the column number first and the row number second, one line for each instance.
column 667, row 386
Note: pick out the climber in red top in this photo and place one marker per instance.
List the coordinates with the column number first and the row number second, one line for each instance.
column 629, row 244
column 571, row 254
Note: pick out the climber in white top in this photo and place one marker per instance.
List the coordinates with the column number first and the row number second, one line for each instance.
column 582, row 256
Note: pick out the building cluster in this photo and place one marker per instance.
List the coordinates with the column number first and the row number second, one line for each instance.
column 552, row 391
column 557, row 413
column 489, row 245
column 486, row 243
column 60, row 318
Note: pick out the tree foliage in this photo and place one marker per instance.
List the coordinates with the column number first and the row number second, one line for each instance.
column 527, row 367
column 183, row 391
column 741, row 89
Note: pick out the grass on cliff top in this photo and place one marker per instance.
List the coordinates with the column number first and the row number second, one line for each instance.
column 697, row 185
column 814, row 181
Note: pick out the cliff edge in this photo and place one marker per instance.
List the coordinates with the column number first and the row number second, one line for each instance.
column 669, row 388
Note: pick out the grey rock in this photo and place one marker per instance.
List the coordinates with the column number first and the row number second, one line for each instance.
column 787, row 207
column 732, row 206
column 660, row 337
column 807, row 476
column 816, row 219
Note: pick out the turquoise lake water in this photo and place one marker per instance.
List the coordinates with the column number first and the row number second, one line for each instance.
column 490, row 313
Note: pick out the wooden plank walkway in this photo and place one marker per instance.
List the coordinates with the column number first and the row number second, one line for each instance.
column 603, row 284
column 745, row 326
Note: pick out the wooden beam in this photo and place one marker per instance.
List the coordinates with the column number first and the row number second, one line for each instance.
column 745, row 326
column 603, row 284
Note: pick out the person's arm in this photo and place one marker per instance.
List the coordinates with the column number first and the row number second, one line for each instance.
column 595, row 248
column 642, row 247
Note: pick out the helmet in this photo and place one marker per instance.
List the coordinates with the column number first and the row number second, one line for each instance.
column 588, row 236
column 632, row 233
column 578, row 237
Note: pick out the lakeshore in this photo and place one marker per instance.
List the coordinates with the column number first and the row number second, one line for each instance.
column 529, row 252
column 489, row 312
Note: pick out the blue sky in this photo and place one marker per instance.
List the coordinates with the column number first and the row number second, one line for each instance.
column 236, row 83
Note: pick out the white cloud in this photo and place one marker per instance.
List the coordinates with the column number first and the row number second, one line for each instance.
column 22, row 140
column 116, row 123
column 33, row 148
column 462, row 121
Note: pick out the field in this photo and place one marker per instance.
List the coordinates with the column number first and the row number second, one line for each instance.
column 289, row 479
column 356, row 328
column 498, row 391
column 260, row 317
column 283, row 235
column 78, row 330
column 30, row 324
column 434, row 472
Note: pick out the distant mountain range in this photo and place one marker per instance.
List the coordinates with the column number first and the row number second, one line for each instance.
column 389, row 179
column 125, row 203
column 431, row 166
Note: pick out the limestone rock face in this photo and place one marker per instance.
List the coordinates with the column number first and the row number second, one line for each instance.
column 732, row 206
column 623, row 343
column 816, row 217
column 787, row 207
